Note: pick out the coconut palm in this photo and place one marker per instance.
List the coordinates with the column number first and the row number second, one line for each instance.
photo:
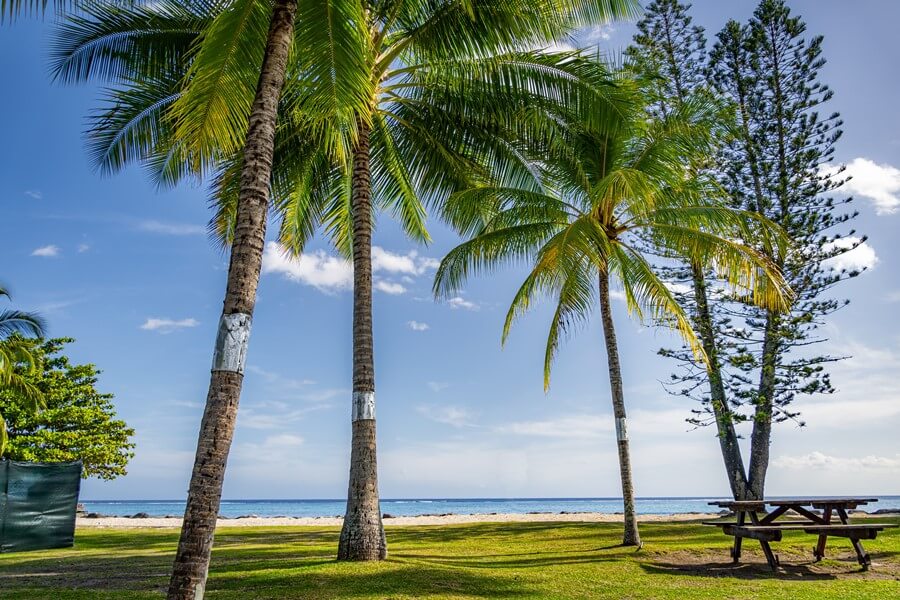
column 606, row 198
column 361, row 127
column 15, row 356
column 159, row 55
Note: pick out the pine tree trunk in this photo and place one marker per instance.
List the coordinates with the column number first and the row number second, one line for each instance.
column 362, row 536
column 760, row 438
column 631, row 536
column 191, row 566
column 728, row 439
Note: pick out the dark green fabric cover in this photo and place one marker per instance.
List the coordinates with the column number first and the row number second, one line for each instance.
column 37, row 505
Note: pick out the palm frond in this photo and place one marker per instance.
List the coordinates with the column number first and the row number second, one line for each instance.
column 211, row 113
column 112, row 42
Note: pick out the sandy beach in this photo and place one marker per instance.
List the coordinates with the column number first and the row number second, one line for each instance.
column 130, row 523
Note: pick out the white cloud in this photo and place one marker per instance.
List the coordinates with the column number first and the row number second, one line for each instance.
column 35, row 194
column 283, row 440
column 596, row 34
column 168, row 325
column 83, row 248
column 449, row 415
column 818, row 460
column 460, row 302
column 417, row 326
column 389, row 287
column 330, row 273
column 153, row 226
column 319, row 269
column 879, row 183
column 861, row 257
column 49, row 251
column 409, row 264
column 437, row 386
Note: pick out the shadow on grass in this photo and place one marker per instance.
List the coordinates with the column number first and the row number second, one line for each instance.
column 739, row 571
column 274, row 564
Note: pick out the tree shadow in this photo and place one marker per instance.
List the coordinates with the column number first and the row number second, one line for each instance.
column 737, row 571
column 273, row 564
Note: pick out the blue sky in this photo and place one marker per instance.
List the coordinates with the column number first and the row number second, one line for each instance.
column 129, row 272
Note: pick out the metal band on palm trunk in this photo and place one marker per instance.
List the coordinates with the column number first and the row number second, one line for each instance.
column 363, row 405
column 231, row 343
column 621, row 431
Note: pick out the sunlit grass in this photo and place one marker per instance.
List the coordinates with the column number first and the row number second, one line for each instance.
column 508, row 560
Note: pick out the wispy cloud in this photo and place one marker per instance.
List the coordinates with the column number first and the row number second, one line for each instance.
column 581, row 426
column 417, row 326
column 459, row 302
column 160, row 227
column 83, row 248
column 35, row 194
column 437, row 386
column 280, row 380
column 164, row 325
column 275, row 417
column 455, row 416
column 879, row 183
column 821, row 461
column 49, row 251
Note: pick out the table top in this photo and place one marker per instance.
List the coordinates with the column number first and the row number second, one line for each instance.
column 738, row 504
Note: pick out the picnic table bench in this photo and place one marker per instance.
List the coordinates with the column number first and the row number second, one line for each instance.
column 765, row 527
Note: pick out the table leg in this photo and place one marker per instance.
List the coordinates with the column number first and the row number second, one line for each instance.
column 819, row 550
column 766, row 548
column 864, row 559
column 736, row 548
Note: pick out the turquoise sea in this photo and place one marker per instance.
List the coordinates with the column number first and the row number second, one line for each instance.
column 429, row 506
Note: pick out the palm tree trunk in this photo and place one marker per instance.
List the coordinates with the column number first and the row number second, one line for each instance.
column 761, row 436
column 728, row 439
column 631, row 536
column 217, row 427
column 362, row 536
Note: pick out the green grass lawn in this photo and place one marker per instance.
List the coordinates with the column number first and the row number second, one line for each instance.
column 509, row 560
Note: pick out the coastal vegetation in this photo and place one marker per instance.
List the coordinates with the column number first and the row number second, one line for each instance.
column 76, row 420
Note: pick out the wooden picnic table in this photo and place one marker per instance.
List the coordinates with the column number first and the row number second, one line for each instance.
column 765, row 527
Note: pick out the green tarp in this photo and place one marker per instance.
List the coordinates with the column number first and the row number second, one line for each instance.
column 37, row 505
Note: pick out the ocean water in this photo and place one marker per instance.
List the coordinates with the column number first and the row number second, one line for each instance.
column 425, row 506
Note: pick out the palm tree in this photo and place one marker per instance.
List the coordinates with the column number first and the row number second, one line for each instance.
column 158, row 55
column 359, row 128
column 606, row 197
column 15, row 355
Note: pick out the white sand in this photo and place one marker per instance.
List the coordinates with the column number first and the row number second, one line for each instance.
column 128, row 523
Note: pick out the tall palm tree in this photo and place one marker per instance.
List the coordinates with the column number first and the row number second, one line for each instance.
column 158, row 54
column 605, row 197
column 217, row 426
column 14, row 355
column 359, row 128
